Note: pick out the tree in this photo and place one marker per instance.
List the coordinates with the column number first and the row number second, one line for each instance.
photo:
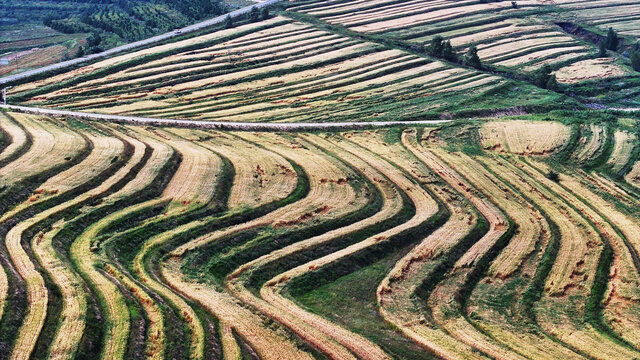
column 552, row 83
column 437, row 45
column 254, row 14
column 228, row 22
column 472, row 59
column 553, row 176
column 602, row 49
column 514, row 4
column 612, row 40
column 447, row 51
column 265, row 13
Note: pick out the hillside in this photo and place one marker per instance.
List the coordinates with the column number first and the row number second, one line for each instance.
column 235, row 191
column 198, row 243
column 37, row 33
column 324, row 55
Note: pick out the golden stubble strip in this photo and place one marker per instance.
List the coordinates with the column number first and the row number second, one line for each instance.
column 200, row 166
column 36, row 290
column 193, row 182
column 71, row 327
column 458, row 326
column 18, row 136
column 417, row 19
column 225, row 58
column 633, row 177
column 84, row 250
column 572, row 275
column 327, row 192
column 18, row 139
column 52, row 145
column 531, row 229
column 141, row 53
column 268, row 343
column 425, row 208
column 395, row 293
column 106, row 148
column 155, row 343
column 246, row 159
column 193, row 185
column 44, row 154
column 218, row 54
column 74, row 297
column 328, row 338
column 595, row 143
column 4, row 288
column 623, row 296
column 624, row 144
column 261, row 176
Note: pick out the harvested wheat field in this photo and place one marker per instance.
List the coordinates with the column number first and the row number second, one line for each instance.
column 196, row 243
column 321, row 179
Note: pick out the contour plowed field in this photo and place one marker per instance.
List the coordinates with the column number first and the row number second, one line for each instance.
column 123, row 242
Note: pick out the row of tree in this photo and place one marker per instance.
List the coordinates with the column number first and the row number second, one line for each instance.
column 443, row 49
column 254, row 15
column 543, row 77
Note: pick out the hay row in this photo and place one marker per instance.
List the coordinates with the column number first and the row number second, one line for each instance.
column 425, row 208
column 18, row 136
column 52, row 146
column 140, row 54
column 72, row 325
column 268, row 343
column 36, row 290
column 562, row 324
column 622, row 151
column 595, row 142
column 261, row 176
column 320, row 168
column 323, row 335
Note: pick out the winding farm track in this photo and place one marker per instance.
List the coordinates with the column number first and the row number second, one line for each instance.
column 220, row 125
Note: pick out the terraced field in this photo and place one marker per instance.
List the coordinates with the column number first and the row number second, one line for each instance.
column 131, row 242
column 505, row 35
column 509, row 229
column 280, row 69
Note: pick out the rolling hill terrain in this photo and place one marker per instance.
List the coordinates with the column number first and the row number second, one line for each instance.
column 506, row 228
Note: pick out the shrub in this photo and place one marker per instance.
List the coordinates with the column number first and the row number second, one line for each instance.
column 94, row 39
column 254, row 14
column 602, row 49
column 437, row 45
column 228, row 22
column 447, row 51
column 552, row 83
column 514, row 4
column 612, row 40
column 553, row 176
column 472, row 59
